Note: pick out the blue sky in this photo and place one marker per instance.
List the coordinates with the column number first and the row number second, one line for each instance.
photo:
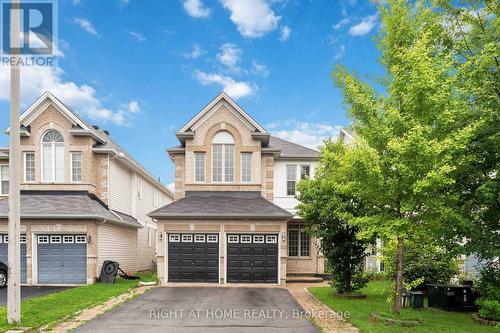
column 142, row 69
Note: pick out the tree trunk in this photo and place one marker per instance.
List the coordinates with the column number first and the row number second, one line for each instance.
column 399, row 276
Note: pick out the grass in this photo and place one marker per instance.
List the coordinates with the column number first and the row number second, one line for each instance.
column 434, row 320
column 50, row 309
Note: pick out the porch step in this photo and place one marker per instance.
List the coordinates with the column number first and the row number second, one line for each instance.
column 303, row 279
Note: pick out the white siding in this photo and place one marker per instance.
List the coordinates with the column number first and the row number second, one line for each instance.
column 117, row 244
column 280, row 197
column 120, row 188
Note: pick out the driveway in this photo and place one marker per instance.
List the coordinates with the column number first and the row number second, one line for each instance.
column 207, row 310
column 29, row 292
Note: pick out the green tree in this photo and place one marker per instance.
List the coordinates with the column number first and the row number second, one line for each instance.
column 402, row 166
column 325, row 208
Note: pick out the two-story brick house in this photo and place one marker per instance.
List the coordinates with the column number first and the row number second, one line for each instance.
column 233, row 219
column 83, row 199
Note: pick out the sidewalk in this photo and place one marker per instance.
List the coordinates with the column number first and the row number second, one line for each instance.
column 310, row 304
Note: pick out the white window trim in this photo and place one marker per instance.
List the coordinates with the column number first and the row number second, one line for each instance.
column 204, row 167
column 233, row 238
column 53, row 148
column 68, row 239
column 6, row 239
column 71, row 166
column 246, row 239
column 80, row 239
column 174, row 238
column 258, row 239
column 241, row 167
column 223, row 163
column 299, row 241
column 43, row 239
column 187, row 238
column 23, row 239
column 286, row 179
column 199, row 238
column 55, row 239
column 212, row 238
column 24, row 166
column 1, row 180
column 271, row 239
column 139, row 187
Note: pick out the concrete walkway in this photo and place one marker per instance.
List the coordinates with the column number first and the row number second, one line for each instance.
column 322, row 315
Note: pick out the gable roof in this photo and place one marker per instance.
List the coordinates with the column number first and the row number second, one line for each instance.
column 221, row 100
column 222, row 204
column 292, row 150
column 80, row 127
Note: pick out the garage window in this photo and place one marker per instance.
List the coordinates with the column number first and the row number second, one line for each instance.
column 174, row 238
column 23, row 239
column 199, row 238
column 187, row 238
column 212, row 238
column 79, row 239
column 68, row 239
column 55, row 239
column 271, row 239
column 258, row 239
column 43, row 239
column 246, row 238
column 299, row 242
column 233, row 239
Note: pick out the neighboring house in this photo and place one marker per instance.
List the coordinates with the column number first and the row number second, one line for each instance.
column 83, row 199
column 234, row 216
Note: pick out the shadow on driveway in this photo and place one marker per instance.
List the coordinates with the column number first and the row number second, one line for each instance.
column 207, row 310
column 30, row 292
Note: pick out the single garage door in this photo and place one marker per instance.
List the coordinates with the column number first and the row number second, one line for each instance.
column 252, row 258
column 4, row 253
column 193, row 258
column 62, row 259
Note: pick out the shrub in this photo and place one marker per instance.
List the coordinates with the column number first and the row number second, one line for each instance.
column 489, row 288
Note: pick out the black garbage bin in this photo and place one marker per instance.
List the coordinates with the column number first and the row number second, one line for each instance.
column 417, row 299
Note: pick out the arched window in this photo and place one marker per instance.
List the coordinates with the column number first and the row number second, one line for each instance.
column 53, row 157
column 223, row 157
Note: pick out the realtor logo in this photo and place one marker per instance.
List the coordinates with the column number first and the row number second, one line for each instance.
column 38, row 29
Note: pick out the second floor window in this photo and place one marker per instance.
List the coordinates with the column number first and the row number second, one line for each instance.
column 4, row 179
column 291, row 179
column 139, row 187
column 246, row 167
column 53, row 157
column 199, row 167
column 29, row 167
column 223, row 158
column 76, row 166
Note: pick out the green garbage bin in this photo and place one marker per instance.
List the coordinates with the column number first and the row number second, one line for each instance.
column 417, row 299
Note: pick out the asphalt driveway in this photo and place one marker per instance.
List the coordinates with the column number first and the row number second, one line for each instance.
column 207, row 310
column 29, row 292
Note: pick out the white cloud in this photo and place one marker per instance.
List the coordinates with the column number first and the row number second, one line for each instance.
column 81, row 98
column 196, row 8
column 340, row 52
column 85, row 25
column 304, row 133
column 233, row 88
column 285, row 33
column 76, row 2
column 133, row 107
column 259, row 69
column 252, row 18
column 341, row 23
column 364, row 27
column 195, row 53
column 230, row 56
column 137, row 35
column 124, row 2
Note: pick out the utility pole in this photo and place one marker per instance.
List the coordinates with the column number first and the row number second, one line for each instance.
column 14, row 278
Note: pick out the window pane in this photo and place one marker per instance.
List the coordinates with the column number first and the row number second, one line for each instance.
column 229, row 163
column 293, row 242
column 29, row 163
column 304, row 244
column 4, row 172
column 76, row 167
column 5, row 187
column 246, row 167
column 217, row 163
column 199, row 167
column 59, row 150
column 291, row 177
column 304, row 171
column 47, row 162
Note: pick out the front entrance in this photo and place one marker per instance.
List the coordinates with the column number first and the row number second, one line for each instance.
column 62, row 259
column 193, row 258
column 252, row 258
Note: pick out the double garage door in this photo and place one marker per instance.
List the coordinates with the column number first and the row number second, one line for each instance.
column 62, row 259
column 4, row 254
column 251, row 258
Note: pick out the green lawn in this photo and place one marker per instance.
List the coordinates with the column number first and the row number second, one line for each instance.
column 435, row 321
column 50, row 309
